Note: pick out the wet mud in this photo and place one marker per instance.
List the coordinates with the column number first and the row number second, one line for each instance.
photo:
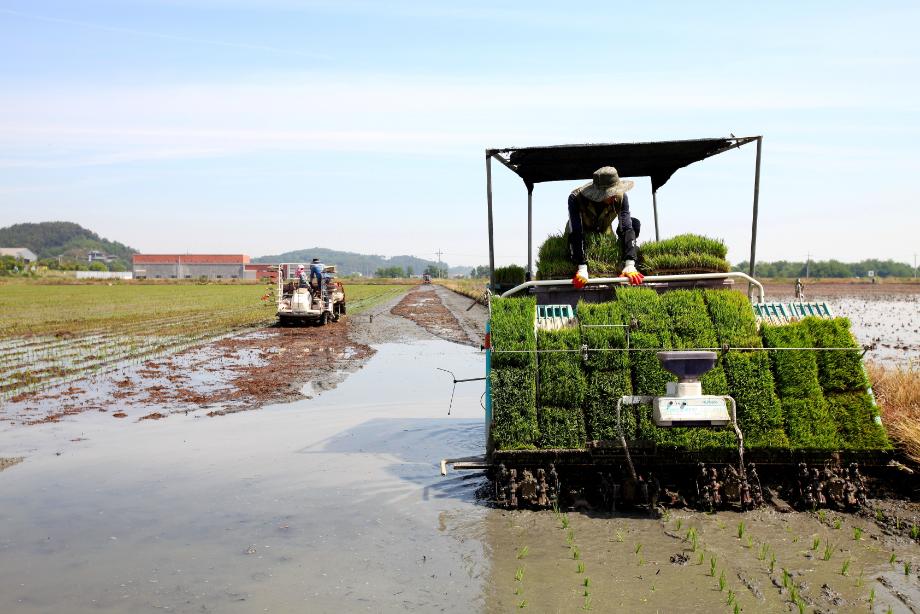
column 425, row 306
column 694, row 562
column 9, row 462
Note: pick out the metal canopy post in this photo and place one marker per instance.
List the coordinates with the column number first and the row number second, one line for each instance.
column 491, row 232
column 529, row 231
column 655, row 209
column 753, row 262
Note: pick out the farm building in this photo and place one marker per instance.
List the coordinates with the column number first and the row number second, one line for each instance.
column 23, row 253
column 261, row 271
column 189, row 266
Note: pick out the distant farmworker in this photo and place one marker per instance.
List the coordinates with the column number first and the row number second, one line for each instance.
column 593, row 208
column 316, row 272
column 302, row 281
column 799, row 290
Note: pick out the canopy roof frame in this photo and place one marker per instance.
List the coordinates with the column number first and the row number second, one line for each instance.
column 656, row 160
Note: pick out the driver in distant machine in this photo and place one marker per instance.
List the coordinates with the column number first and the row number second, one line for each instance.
column 593, row 208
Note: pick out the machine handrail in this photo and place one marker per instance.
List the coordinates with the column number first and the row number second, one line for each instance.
column 648, row 278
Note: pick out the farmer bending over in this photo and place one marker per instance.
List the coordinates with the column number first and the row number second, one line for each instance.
column 593, row 208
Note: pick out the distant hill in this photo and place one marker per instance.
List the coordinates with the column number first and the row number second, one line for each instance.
column 53, row 239
column 349, row 263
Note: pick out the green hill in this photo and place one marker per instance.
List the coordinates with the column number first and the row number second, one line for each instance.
column 349, row 263
column 53, row 239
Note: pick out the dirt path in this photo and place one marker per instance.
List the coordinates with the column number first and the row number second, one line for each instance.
column 442, row 313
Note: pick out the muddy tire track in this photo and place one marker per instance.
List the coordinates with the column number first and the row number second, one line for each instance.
column 424, row 306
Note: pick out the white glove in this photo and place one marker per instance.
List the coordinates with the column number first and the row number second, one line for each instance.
column 629, row 267
column 581, row 276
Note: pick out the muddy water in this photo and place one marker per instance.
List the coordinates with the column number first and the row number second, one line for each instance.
column 325, row 505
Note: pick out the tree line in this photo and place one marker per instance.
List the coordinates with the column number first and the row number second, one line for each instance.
column 830, row 268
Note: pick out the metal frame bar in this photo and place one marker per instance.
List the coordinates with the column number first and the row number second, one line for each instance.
column 529, row 231
column 648, row 278
column 753, row 263
column 491, row 228
column 655, row 209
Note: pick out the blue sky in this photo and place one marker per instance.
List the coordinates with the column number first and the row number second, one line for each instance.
column 261, row 126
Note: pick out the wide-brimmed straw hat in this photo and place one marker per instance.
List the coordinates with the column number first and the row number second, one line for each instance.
column 606, row 183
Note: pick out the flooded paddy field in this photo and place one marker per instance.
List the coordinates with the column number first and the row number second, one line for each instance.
column 326, row 497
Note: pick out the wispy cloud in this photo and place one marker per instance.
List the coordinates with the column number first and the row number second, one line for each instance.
column 162, row 35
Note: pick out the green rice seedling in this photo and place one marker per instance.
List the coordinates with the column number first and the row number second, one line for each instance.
column 822, row 516
column 712, row 567
column 793, row 592
column 731, row 597
column 787, row 579
column 514, row 413
column 856, row 415
column 736, row 609
column 772, row 561
column 669, row 264
column 871, row 598
column 587, row 582
column 807, row 419
column 800, row 605
column 897, row 523
column 618, row 535
column 570, row 537
column 914, row 531
column 762, row 555
column 795, row 539
column 839, row 371
column 601, row 250
column 562, row 382
column 828, row 552
column 598, row 407
column 522, row 553
column 576, row 553
column 722, row 581
column 879, row 515
column 679, row 523
column 686, row 253
column 760, row 413
column 892, row 558
column 513, row 274
column 837, row 523
column 857, row 533
column 907, row 567
column 845, row 568
column 513, row 337
column 815, row 543
column 522, row 604
column 564, row 519
column 732, row 318
column 889, row 610
column 638, row 548
column 666, row 516
column 561, row 427
column 699, row 559
column 740, row 529
column 641, row 562
column 587, row 603
column 519, row 574
column 749, row 542
column 580, row 568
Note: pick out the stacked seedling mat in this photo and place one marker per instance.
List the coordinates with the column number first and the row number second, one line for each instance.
column 548, row 393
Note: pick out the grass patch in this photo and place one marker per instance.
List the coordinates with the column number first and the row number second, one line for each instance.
column 898, row 394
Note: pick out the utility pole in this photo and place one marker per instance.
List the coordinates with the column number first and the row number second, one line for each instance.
column 439, row 253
